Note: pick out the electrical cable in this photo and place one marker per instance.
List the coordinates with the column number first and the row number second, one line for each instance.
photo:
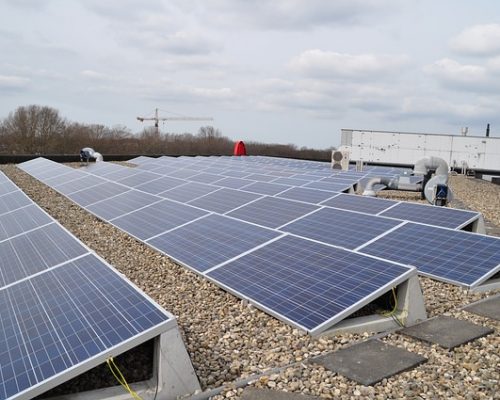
column 120, row 378
column 392, row 313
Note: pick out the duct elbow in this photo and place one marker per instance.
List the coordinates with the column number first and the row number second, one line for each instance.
column 430, row 163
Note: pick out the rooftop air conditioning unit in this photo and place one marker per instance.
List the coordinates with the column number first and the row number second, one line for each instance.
column 340, row 160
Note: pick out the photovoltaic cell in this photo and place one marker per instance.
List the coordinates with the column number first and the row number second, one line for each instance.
column 210, row 241
column 224, row 200
column 7, row 187
column 432, row 215
column 260, row 177
column 340, row 227
column 12, row 201
column 290, row 181
column 22, row 220
column 138, row 179
column 160, row 185
column 157, row 218
column 121, row 173
column 188, row 192
column 309, row 284
column 70, row 315
column 233, row 183
column 352, row 202
column 97, row 193
column 182, row 173
column 332, row 187
column 313, row 196
column 35, row 251
column 122, row 204
column 266, row 188
column 453, row 256
column 85, row 182
column 205, row 178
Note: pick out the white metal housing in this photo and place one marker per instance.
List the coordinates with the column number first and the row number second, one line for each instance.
column 471, row 152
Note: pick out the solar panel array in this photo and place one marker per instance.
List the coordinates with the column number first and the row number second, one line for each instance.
column 63, row 309
column 206, row 227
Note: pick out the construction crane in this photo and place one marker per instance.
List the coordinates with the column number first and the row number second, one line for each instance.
column 157, row 119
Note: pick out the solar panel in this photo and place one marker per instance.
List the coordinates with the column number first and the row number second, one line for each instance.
column 456, row 257
column 266, row 188
column 205, row 178
column 157, row 218
column 211, row 240
column 160, row 185
column 260, row 177
column 332, row 187
column 121, row 173
column 235, row 174
column 233, row 183
column 290, row 181
column 36, row 251
column 272, row 212
column 22, row 220
column 352, row 202
column 122, row 204
column 74, row 315
column 308, row 284
column 68, row 176
column 313, row 196
column 224, row 200
column 432, row 215
column 340, row 228
column 88, row 196
column 188, row 192
column 182, row 173
column 85, row 182
column 7, row 187
column 12, row 201
column 138, row 179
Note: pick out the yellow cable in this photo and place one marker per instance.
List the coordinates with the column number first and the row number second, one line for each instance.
column 393, row 311
column 120, row 378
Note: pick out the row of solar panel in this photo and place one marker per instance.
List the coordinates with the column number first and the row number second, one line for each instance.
column 331, row 226
column 209, row 243
column 62, row 306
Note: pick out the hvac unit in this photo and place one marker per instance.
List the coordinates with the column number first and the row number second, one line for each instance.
column 340, row 159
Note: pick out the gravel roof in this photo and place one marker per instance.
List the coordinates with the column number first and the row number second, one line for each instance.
column 229, row 340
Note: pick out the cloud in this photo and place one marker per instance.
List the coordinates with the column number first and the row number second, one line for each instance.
column 293, row 15
column 94, row 75
column 478, row 40
column 331, row 65
column 10, row 82
column 480, row 78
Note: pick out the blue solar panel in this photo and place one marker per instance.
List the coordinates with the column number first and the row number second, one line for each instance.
column 453, row 256
column 122, row 204
column 332, row 187
column 224, row 200
column 121, row 173
column 35, row 251
column 205, row 178
column 160, row 185
column 210, row 241
column 7, row 187
column 70, row 315
column 188, row 192
column 290, row 181
column 233, row 183
column 272, row 212
column 266, row 188
column 308, row 284
column 235, row 173
column 85, row 182
column 157, row 218
column 340, row 227
column 260, row 177
column 88, row 196
column 313, row 196
column 22, row 220
column 432, row 215
column 12, row 201
column 182, row 173
column 68, row 176
column 352, row 202
column 138, row 178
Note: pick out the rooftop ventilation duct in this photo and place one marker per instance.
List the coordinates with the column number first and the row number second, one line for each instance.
column 434, row 189
column 87, row 153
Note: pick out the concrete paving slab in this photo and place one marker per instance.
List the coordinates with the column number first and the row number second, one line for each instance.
column 447, row 332
column 369, row 362
column 489, row 308
column 251, row 393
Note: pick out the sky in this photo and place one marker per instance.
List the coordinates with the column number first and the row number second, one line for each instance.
column 280, row 71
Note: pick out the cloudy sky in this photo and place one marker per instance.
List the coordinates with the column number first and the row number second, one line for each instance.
column 282, row 71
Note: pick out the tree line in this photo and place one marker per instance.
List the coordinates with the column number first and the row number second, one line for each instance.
column 41, row 130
